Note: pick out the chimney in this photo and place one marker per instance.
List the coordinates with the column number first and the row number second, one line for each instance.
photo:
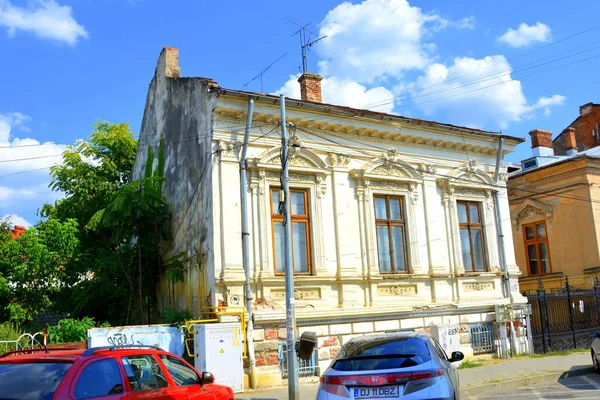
column 570, row 141
column 310, row 87
column 585, row 109
column 541, row 143
column 168, row 63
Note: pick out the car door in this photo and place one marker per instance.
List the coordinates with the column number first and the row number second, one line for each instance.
column 185, row 377
column 446, row 364
column 98, row 379
column 145, row 379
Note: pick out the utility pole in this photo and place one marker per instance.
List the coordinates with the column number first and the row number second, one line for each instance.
column 290, row 320
column 246, row 246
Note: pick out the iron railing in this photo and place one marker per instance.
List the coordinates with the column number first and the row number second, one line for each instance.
column 308, row 367
column 564, row 318
column 482, row 338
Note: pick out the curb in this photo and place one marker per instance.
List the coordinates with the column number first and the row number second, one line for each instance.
column 531, row 380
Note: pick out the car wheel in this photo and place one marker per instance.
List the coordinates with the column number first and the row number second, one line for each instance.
column 595, row 363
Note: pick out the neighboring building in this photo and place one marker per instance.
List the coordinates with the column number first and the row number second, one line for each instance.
column 393, row 217
column 17, row 231
column 586, row 128
column 555, row 226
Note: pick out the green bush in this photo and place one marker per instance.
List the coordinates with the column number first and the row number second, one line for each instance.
column 173, row 316
column 8, row 332
column 71, row 330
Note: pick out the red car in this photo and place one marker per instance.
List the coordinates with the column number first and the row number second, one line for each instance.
column 128, row 372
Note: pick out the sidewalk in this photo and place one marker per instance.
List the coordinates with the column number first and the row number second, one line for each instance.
column 473, row 381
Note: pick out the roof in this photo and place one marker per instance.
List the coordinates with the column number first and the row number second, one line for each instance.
column 370, row 114
column 594, row 152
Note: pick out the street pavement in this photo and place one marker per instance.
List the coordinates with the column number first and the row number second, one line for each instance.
column 564, row 377
column 585, row 386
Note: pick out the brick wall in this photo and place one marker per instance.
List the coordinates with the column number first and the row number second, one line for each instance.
column 310, row 87
column 584, row 125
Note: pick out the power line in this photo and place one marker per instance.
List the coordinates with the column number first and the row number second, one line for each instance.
column 446, row 176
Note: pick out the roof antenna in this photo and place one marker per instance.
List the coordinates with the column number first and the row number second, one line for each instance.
column 261, row 73
column 305, row 43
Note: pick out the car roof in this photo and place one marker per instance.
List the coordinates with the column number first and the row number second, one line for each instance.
column 391, row 335
column 50, row 355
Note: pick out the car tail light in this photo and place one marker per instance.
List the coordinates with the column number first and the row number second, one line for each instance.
column 377, row 379
column 334, row 385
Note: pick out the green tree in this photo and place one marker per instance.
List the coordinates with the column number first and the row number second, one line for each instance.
column 113, row 276
column 32, row 267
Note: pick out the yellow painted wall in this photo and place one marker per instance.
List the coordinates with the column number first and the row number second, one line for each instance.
column 573, row 237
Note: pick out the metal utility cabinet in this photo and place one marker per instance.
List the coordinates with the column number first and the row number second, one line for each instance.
column 218, row 349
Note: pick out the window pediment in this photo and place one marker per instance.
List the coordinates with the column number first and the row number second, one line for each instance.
column 530, row 210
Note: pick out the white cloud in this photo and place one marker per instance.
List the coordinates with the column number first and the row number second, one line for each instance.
column 526, row 35
column 8, row 194
column 345, row 93
column 30, row 152
column 475, row 92
column 378, row 39
column 44, row 18
column 16, row 220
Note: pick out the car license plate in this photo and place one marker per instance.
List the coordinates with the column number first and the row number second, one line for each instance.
column 380, row 392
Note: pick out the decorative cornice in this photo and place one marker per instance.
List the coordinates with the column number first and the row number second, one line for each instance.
column 377, row 135
column 559, row 177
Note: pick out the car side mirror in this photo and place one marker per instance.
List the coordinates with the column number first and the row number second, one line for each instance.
column 207, row 377
column 595, row 335
column 457, row 356
column 306, row 345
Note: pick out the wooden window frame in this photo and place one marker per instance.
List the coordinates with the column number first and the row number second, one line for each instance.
column 275, row 217
column 536, row 241
column 473, row 226
column 390, row 223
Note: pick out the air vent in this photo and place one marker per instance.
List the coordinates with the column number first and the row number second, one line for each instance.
column 528, row 164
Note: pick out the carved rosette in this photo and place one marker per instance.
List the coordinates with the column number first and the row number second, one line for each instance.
column 477, row 286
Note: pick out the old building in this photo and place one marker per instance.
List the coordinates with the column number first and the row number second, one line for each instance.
column 586, row 128
column 552, row 202
column 393, row 218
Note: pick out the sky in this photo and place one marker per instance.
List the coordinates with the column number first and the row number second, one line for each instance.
column 509, row 66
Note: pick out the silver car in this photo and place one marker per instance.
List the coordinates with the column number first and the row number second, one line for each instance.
column 400, row 365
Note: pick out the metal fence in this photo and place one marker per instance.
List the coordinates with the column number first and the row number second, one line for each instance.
column 564, row 318
column 308, row 367
column 482, row 338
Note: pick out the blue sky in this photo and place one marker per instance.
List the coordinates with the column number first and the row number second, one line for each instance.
column 491, row 65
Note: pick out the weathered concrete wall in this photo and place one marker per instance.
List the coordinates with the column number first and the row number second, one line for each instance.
column 179, row 111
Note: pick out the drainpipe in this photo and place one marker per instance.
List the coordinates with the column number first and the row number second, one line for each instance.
column 246, row 247
column 501, row 248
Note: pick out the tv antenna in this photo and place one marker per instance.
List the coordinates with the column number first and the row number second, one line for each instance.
column 304, row 43
column 261, row 73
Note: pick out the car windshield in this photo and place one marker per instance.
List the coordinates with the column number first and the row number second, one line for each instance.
column 31, row 381
column 382, row 353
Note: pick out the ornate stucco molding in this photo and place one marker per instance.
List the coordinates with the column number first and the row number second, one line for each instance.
column 531, row 210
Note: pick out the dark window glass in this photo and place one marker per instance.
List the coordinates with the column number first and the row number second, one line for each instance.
column 438, row 348
column 144, row 373
column 181, row 373
column 31, row 381
column 383, row 353
column 391, row 240
column 536, row 246
column 300, row 232
column 471, row 236
column 99, row 379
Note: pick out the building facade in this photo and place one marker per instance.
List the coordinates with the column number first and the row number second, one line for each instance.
column 552, row 202
column 393, row 219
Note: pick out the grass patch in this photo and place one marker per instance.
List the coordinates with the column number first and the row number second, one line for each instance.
column 469, row 364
